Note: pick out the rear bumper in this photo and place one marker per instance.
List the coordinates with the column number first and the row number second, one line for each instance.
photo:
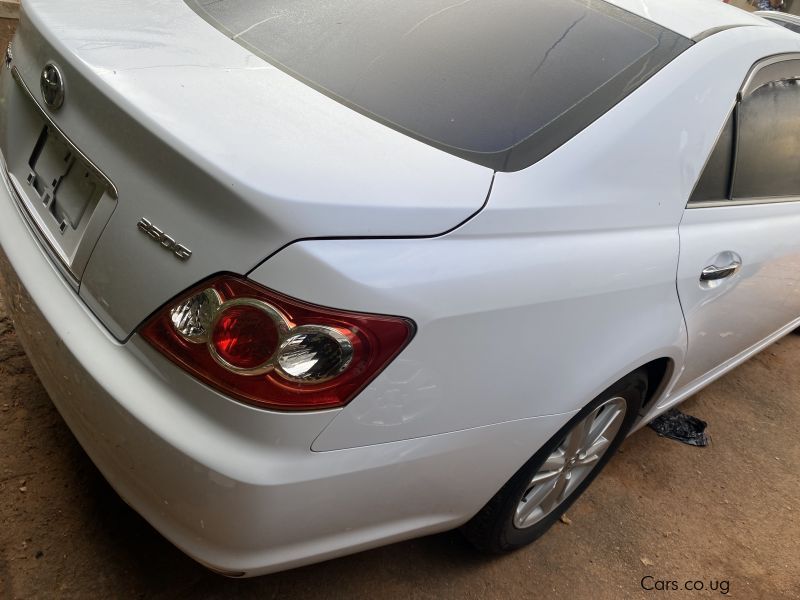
column 235, row 487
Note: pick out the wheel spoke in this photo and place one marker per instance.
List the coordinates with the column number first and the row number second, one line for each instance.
column 590, row 422
column 555, row 461
column 543, row 476
column 525, row 510
column 576, row 439
column 607, row 426
column 593, row 453
column 533, row 499
column 589, row 459
column 552, row 466
column 602, row 432
column 556, row 495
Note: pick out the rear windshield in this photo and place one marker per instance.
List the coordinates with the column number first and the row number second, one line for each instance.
column 499, row 82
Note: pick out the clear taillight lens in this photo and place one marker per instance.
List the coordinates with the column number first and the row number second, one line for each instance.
column 192, row 318
column 274, row 351
column 314, row 354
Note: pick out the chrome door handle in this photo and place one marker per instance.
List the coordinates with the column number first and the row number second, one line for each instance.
column 713, row 272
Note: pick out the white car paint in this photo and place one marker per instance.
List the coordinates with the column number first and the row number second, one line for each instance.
column 230, row 484
column 299, row 165
column 691, row 18
column 721, row 319
column 539, row 221
column 579, row 269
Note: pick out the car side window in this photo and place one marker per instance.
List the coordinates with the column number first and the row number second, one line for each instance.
column 757, row 155
column 790, row 26
column 715, row 182
column 768, row 142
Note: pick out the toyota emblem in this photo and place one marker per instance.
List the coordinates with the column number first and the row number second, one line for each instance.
column 52, row 84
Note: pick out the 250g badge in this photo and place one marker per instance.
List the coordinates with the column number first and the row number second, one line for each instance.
column 167, row 242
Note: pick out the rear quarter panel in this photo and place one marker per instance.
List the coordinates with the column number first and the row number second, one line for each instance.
column 562, row 285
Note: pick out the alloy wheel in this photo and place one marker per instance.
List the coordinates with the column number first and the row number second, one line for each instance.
column 571, row 462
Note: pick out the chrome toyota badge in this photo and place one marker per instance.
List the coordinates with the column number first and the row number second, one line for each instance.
column 52, row 85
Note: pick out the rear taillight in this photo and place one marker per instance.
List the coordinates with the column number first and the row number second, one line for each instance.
column 271, row 350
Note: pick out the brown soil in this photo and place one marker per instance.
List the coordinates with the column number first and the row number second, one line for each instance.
column 729, row 512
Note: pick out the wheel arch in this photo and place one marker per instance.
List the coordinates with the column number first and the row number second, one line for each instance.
column 659, row 373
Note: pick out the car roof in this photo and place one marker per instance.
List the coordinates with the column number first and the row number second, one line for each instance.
column 694, row 19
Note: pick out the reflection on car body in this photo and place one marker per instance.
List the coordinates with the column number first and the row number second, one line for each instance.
column 444, row 257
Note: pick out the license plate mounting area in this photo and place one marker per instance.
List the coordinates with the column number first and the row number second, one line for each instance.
column 62, row 185
column 67, row 200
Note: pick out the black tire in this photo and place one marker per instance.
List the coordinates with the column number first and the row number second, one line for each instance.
column 493, row 530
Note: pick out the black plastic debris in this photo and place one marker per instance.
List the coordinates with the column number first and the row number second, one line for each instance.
column 676, row 425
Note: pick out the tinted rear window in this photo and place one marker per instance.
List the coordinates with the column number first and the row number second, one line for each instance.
column 499, row 82
column 768, row 148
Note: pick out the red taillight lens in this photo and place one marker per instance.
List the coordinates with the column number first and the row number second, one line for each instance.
column 273, row 351
column 244, row 336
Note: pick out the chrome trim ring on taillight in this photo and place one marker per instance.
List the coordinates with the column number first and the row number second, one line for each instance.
column 277, row 318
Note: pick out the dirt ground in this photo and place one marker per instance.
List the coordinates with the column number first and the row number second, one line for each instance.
column 726, row 516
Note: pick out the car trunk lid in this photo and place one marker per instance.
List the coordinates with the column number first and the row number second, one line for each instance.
column 218, row 153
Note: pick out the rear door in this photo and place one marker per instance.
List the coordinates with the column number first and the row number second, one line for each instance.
column 739, row 268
